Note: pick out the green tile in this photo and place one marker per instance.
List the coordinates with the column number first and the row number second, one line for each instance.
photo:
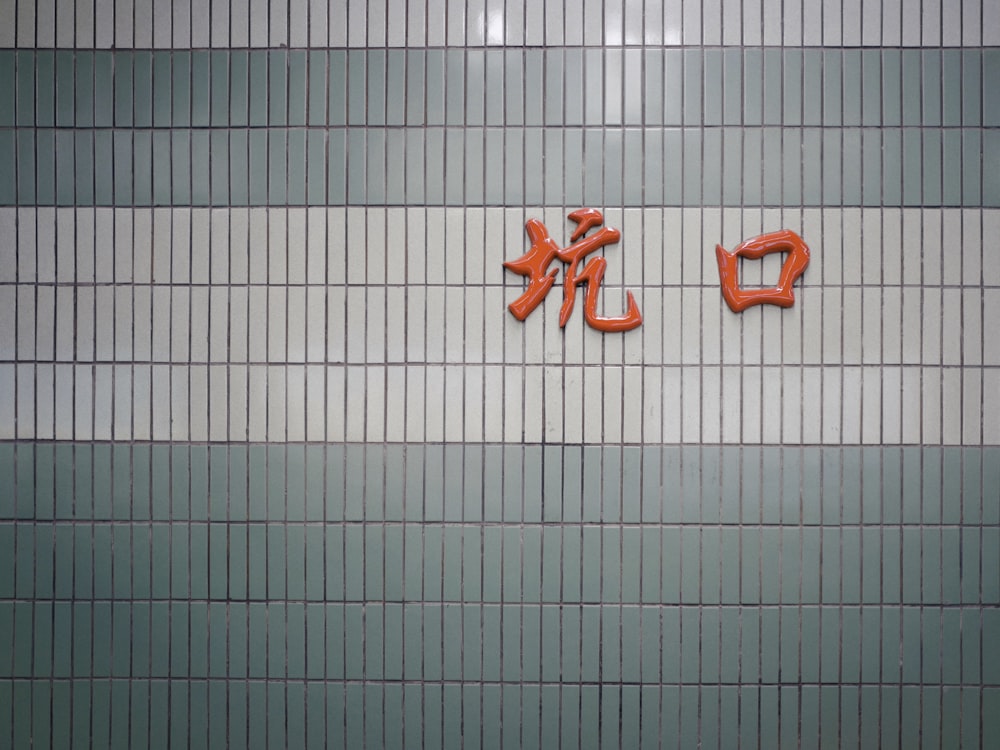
column 180, row 88
column 258, row 89
column 8, row 160
column 974, row 109
column 27, row 97
column 202, row 87
column 692, row 72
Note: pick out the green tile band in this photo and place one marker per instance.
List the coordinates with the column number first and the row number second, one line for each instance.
column 612, row 127
column 727, row 166
column 244, row 586
column 554, row 87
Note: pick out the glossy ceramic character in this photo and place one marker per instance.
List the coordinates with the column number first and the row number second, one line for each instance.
column 534, row 264
column 782, row 295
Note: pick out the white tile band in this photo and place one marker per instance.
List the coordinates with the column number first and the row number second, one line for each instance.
column 185, row 24
column 391, row 324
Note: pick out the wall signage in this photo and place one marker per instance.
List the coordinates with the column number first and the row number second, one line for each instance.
column 535, row 263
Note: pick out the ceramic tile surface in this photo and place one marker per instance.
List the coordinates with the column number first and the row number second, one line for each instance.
column 280, row 468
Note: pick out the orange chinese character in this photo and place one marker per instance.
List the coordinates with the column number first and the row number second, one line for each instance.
column 782, row 295
column 534, row 264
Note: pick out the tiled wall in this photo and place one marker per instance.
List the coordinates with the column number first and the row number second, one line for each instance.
column 279, row 469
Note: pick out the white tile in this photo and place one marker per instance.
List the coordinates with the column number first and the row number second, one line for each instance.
column 931, row 405
column 375, row 404
column 812, row 22
column 277, row 403
column 335, row 408
column 297, row 245
column 972, row 247
column 182, row 24
column 375, row 327
column 258, row 18
column 434, row 408
column 8, row 400
column 153, row 257
column 802, row 399
column 315, row 405
column 972, row 406
column 64, row 330
column 220, row 23
column 161, row 21
column 8, row 10
column 932, row 311
column 453, row 404
column 300, row 328
column 9, row 243
column 44, row 401
column 416, row 27
column 871, row 333
column 951, row 321
column 142, row 323
column 239, row 324
column 180, row 332
column 973, row 339
column 990, row 313
column 691, row 23
column 45, row 23
column 739, row 406
column 513, row 412
column 930, row 23
column 179, row 404
column 474, row 404
column 951, row 406
column 614, row 395
column 829, row 409
column 314, row 326
column 80, row 408
column 75, row 250
column 84, row 332
column 277, row 246
column 218, row 244
column 218, row 403
column 672, row 400
column 951, row 228
column 8, row 308
column 278, row 23
column 563, row 404
column 200, row 24
column 892, row 325
column 37, row 252
column 247, row 403
column 187, row 248
column 160, row 327
column 198, row 402
column 64, row 403
column 104, row 322
column 295, row 417
column 514, row 14
column 991, row 407
column 633, row 409
column 891, row 16
column 773, row 20
column 871, row 405
column 123, row 323
column 792, row 23
column 25, row 401
column 652, row 404
column 494, row 406
column 672, row 22
column 972, row 28
column 910, row 402
column 257, row 323
column 25, row 24
column 239, row 405
column 44, row 328
column 892, row 426
column 276, row 324
column 690, row 411
column 593, row 396
column 731, row 21
column 142, row 397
